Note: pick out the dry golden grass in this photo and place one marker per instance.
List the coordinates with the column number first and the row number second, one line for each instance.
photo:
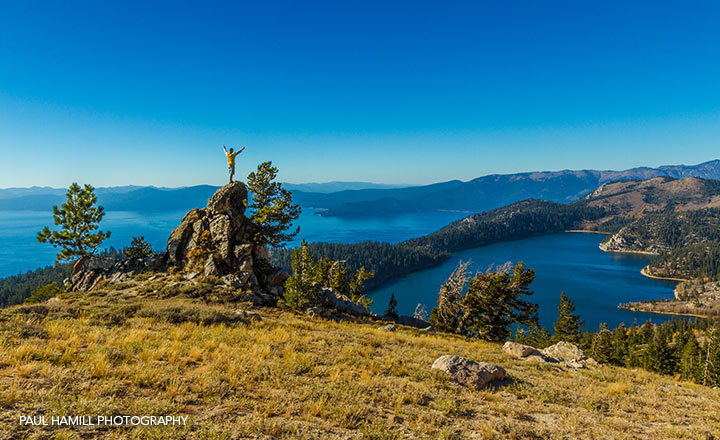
column 289, row 376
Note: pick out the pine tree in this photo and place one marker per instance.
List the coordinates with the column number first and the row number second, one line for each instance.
column 356, row 287
column 493, row 303
column 139, row 248
column 660, row 357
column 621, row 352
column 337, row 277
column 568, row 327
column 300, row 288
column 79, row 217
column 392, row 311
column 272, row 211
column 711, row 350
column 691, row 361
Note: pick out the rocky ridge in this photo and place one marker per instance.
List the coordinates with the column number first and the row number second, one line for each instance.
column 211, row 241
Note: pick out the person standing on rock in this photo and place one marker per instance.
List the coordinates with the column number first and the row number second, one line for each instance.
column 231, row 160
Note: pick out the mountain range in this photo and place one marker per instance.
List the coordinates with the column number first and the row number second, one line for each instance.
column 353, row 199
column 492, row 191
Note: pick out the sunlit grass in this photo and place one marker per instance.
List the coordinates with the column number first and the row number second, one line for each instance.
column 289, row 376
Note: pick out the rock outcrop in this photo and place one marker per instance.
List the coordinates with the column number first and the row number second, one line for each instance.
column 212, row 241
column 215, row 241
column 467, row 372
column 337, row 301
column 411, row 321
column 119, row 272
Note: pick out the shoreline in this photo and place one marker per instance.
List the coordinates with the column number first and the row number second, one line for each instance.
column 637, row 310
column 587, row 231
column 613, row 251
column 645, row 273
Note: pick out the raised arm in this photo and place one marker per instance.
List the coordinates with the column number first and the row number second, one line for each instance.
column 240, row 151
column 224, row 149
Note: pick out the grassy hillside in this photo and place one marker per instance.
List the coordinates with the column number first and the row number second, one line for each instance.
column 136, row 351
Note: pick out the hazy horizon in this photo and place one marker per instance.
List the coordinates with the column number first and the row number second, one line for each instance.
column 357, row 181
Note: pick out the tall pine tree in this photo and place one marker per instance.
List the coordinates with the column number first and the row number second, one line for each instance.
column 568, row 326
column 392, row 310
column 691, row 361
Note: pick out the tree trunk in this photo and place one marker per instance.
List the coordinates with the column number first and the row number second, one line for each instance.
column 80, row 264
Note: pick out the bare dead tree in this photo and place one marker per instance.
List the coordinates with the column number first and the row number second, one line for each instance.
column 450, row 300
column 708, row 360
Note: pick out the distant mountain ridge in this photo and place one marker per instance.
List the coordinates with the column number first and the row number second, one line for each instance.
column 140, row 199
column 477, row 195
column 335, row 186
column 495, row 190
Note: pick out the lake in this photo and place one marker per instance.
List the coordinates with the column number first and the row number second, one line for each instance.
column 20, row 251
column 571, row 262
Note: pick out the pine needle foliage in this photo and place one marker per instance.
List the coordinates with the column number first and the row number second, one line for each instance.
column 79, row 218
column 271, row 211
column 568, row 326
column 493, row 302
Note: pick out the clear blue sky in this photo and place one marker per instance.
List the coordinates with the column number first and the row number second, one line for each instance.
column 115, row 93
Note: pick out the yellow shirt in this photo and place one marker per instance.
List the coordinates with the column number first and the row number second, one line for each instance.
column 231, row 158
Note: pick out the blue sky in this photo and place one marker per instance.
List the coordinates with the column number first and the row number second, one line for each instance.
column 115, row 93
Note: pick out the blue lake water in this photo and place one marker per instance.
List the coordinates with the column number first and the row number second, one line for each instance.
column 571, row 262
column 20, row 251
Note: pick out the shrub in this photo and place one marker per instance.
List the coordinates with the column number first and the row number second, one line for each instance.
column 44, row 293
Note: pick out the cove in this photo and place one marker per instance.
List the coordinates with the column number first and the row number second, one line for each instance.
column 571, row 262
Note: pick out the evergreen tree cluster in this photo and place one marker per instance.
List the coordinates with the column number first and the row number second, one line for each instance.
column 492, row 303
column 309, row 273
column 680, row 347
column 383, row 259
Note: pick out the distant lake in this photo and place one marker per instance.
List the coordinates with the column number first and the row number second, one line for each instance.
column 20, row 251
column 571, row 262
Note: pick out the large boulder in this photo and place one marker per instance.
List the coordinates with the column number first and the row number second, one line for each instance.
column 230, row 200
column 467, row 372
column 520, row 350
column 570, row 354
column 565, row 351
